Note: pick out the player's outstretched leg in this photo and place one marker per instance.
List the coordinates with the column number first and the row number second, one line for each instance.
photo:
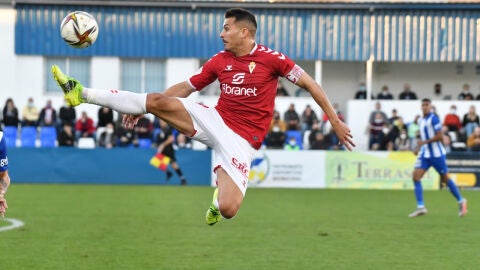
column 213, row 214
column 71, row 88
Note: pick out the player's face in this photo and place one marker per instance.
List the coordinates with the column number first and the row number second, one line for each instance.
column 426, row 107
column 231, row 35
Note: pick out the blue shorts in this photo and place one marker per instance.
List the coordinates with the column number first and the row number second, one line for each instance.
column 3, row 154
column 439, row 164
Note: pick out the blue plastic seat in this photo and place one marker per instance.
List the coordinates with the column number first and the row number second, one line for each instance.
column 48, row 137
column 28, row 136
column 144, row 143
column 10, row 133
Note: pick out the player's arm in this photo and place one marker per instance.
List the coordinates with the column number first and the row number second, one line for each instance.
column 343, row 132
column 182, row 89
column 4, row 184
column 438, row 137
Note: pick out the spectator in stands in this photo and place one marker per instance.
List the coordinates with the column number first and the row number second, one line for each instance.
column 407, row 93
column 378, row 109
column 452, row 120
column 437, row 92
column 84, row 127
column 276, row 120
column 281, row 90
column 316, row 128
column 292, row 144
column 126, row 137
column 361, row 92
column 30, row 114
column 108, row 138
column 394, row 117
column 397, row 127
column 413, row 132
column 470, row 121
column 308, row 118
column 48, row 115
column 66, row 136
column 385, row 93
column 376, row 133
column 144, row 128
column 465, row 94
column 291, row 118
column 67, row 115
column 105, row 116
column 275, row 138
column 402, row 142
column 319, row 141
column 473, row 141
column 10, row 114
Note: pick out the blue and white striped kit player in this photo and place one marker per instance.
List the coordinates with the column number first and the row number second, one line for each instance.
column 432, row 154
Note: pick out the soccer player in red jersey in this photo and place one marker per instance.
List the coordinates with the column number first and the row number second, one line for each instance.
column 248, row 74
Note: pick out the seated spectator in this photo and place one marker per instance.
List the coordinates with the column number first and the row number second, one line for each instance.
column 402, row 142
column 308, row 118
column 66, row 115
column 473, row 141
column 126, row 137
column 30, row 114
column 447, row 143
column 465, row 94
column 108, row 138
column 361, row 92
column 470, row 121
column 437, row 92
column 276, row 120
column 407, row 93
column 413, row 131
column 143, row 129
column 393, row 133
column 48, row 115
column 378, row 109
column 376, row 133
column 84, row 127
column 319, row 141
column 291, row 118
column 451, row 120
column 394, row 117
column 66, row 137
column 385, row 93
column 292, row 144
column 281, row 90
column 105, row 116
column 275, row 138
column 10, row 114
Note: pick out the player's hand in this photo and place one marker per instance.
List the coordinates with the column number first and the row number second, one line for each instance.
column 344, row 135
column 129, row 121
column 3, row 207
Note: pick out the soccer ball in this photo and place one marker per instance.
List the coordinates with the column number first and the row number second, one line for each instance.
column 79, row 29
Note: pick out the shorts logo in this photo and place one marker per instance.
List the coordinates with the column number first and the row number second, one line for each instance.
column 241, row 166
column 238, row 78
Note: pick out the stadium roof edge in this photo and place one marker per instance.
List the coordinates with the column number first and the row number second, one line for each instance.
column 250, row 4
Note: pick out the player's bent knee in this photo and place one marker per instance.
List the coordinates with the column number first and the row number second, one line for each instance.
column 228, row 210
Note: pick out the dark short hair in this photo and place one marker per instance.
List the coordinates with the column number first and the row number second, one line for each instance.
column 426, row 100
column 241, row 14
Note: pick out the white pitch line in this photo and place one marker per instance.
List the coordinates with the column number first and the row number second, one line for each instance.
column 15, row 224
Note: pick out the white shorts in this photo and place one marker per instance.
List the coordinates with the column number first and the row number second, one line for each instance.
column 230, row 151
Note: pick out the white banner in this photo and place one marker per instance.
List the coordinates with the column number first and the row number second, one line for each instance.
column 280, row 168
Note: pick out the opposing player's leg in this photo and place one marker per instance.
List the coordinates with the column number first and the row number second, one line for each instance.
column 169, row 109
column 418, row 191
column 440, row 165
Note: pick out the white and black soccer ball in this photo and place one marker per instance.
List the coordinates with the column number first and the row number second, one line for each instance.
column 79, row 29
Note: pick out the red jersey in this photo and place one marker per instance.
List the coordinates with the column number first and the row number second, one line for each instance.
column 248, row 86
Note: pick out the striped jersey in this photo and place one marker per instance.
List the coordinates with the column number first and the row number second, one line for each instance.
column 429, row 126
column 248, row 87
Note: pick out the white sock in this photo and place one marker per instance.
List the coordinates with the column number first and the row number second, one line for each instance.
column 215, row 203
column 120, row 101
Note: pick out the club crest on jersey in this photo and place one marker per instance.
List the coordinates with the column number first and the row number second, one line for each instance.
column 251, row 67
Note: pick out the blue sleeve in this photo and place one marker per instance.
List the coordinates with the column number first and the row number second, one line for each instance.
column 437, row 125
column 3, row 154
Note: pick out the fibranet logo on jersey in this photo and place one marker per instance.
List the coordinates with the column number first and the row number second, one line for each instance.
column 238, row 91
